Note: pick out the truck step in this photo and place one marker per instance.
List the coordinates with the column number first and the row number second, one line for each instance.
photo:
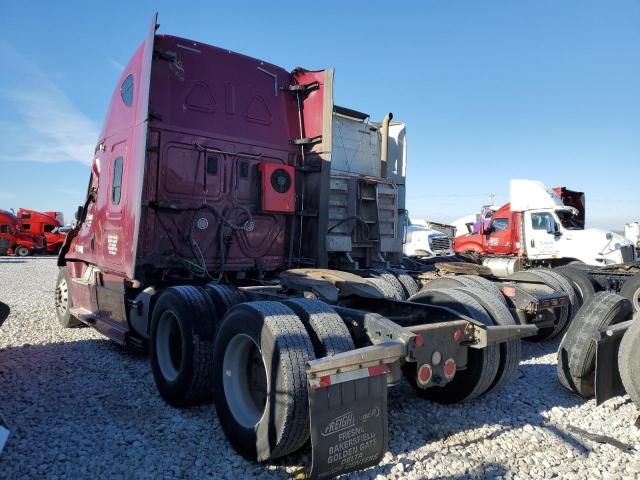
column 80, row 313
column 110, row 328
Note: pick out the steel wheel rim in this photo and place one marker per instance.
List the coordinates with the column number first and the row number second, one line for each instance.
column 244, row 380
column 22, row 251
column 635, row 300
column 62, row 297
column 169, row 351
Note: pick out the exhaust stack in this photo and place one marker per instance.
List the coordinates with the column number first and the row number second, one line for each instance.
column 384, row 147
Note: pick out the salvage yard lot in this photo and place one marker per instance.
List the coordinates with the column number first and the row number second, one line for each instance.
column 79, row 406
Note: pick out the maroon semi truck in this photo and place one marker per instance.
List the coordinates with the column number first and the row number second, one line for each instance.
column 225, row 230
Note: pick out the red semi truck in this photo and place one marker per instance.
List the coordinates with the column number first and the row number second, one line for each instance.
column 225, row 229
column 46, row 224
column 21, row 243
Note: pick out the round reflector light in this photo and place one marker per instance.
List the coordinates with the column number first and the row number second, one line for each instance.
column 424, row 373
column 449, row 368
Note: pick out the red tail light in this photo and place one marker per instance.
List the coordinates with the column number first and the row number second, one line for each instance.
column 424, row 374
column 457, row 335
column 449, row 368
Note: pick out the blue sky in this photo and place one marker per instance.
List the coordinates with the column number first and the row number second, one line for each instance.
column 489, row 90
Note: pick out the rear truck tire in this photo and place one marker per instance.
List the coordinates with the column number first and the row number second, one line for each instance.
column 631, row 290
column 224, row 297
column 583, row 285
column 629, row 361
column 410, row 286
column 442, row 282
column 4, row 312
column 64, row 302
column 482, row 365
column 385, row 288
column 577, row 351
column 460, row 281
column 391, row 279
column 21, row 251
column 328, row 332
column 511, row 351
column 181, row 345
column 261, row 385
column 566, row 287
column 561, row 313
column 483, row 284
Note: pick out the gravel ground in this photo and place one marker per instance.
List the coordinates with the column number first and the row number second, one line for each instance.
column 80, row 407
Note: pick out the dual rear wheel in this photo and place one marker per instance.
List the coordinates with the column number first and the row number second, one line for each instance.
column 487, row 369
column 250, row 358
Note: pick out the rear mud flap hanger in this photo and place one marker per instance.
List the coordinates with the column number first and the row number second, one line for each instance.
column 348, row 401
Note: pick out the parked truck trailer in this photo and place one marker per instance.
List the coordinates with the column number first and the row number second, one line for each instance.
column 225, row 229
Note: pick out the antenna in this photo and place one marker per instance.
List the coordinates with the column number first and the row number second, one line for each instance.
column 492, row 196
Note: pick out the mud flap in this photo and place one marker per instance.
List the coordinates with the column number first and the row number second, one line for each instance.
column 348, row 421
column 608, row 382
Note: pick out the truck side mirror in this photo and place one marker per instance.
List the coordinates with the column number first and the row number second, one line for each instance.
column 552, row 227
column 79, row 211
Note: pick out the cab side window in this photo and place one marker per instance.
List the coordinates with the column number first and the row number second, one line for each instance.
column 5, row 229
column 126, row 91
column 500, row 225
column 539, row 220
column 116, row 184
column 26, row 226
column 49, row 228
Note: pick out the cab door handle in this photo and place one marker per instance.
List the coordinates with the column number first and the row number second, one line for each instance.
column 533, row 243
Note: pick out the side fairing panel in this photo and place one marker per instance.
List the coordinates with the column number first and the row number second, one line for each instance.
column 316, row 122
column 107, row 236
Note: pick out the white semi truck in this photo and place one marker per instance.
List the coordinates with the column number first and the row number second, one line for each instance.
column 541, row 226
column 428, row 239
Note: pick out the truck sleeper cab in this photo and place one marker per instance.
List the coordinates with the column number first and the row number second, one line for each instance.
column 218, row 199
